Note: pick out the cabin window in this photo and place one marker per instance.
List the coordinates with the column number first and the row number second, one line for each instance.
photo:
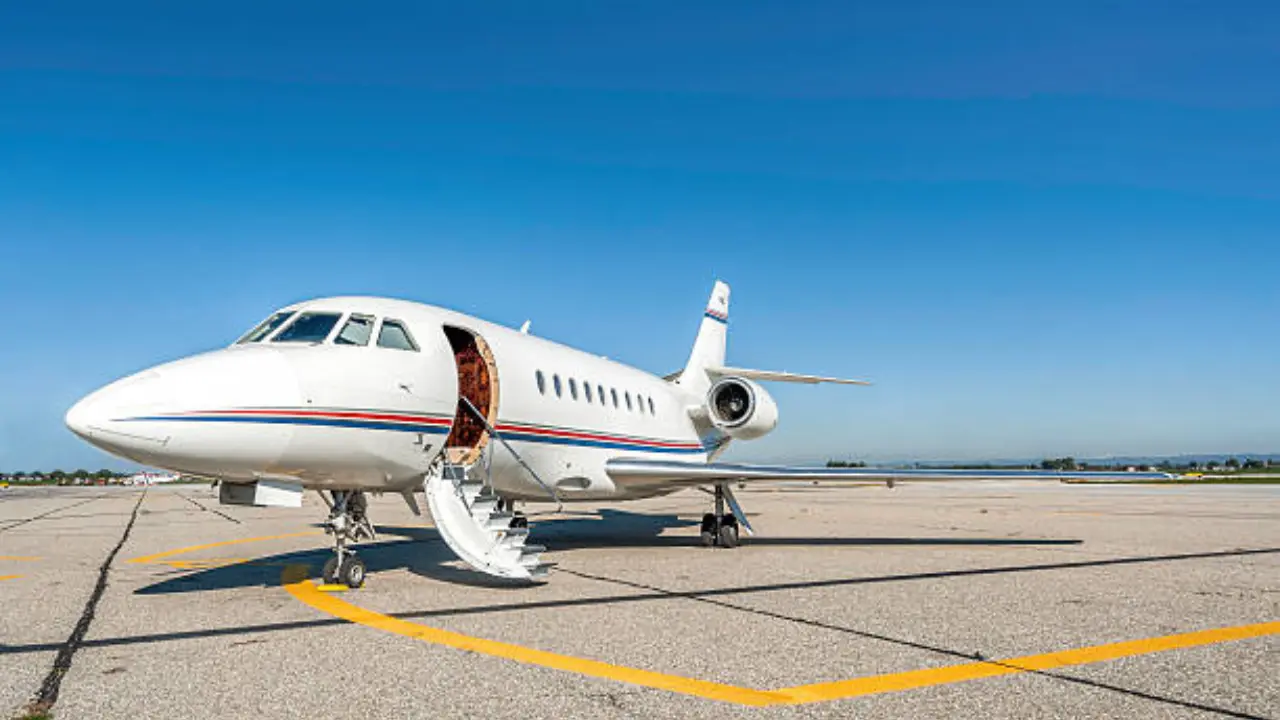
column 542, row 383
column 651, row 410
column 573, row 388
column 600, row 394
column 627, row 395
column 555, row 380
column 396, row 336
column 357, row 331
column 309, row 327
column 265, row 328
column 586, row 390
column 640, row 402
column 614, row 393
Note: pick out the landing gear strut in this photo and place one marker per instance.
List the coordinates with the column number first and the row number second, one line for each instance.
column 720, row 529
column 348, row 523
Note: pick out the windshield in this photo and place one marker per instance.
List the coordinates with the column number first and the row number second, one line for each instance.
column 310, row 327
column 356, row 331
column 265, row 328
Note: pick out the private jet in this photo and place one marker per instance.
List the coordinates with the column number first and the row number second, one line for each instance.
column 349, row 396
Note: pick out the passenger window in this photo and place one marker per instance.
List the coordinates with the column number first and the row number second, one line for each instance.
column 627, row 395
column 396, row 336
column 542, row 383
column 265, row 328
column 586, row 390
column 573, row 388
column 640, row 402
column 651, row 410
column 356, row 332
column 555, row 380
column 310, row 327
column 614, row 393
column 600, row 393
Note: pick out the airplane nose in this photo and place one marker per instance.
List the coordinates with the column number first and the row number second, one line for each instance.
column 82, row 416
column 98, row 417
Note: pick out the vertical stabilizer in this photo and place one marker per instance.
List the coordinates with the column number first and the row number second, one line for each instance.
column 708, row 348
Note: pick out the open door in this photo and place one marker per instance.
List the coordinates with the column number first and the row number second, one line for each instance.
column 477, row 382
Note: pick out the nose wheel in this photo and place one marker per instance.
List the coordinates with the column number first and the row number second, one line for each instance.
column 348, row 522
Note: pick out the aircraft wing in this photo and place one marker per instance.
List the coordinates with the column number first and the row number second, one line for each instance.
column 668, row 473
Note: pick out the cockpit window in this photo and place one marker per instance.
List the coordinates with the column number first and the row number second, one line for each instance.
column 310, row 327
column 265, row 328
column 396, row 336
column 356, row 331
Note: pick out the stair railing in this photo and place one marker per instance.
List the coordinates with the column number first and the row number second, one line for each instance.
column 494, row 434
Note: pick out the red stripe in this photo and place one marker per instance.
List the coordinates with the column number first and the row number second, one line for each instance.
column 344, row 414
column 594, row 436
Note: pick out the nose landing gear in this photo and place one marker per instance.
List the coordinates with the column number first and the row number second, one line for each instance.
column 348, row 523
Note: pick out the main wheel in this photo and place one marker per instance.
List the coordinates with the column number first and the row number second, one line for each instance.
column 729, row 535
column 330, row 573
column 708, row 530
column 352, row 573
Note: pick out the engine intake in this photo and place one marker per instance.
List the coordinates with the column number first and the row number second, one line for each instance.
column 741, row 409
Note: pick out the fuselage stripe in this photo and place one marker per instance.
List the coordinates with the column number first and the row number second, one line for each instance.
column 425, row 424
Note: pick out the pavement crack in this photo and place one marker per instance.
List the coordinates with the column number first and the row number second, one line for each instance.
column 959, row 654
column 47, row 696
column 200, row 505
column 47, row 514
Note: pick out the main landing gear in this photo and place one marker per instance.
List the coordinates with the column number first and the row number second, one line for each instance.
column 348, row 523
column 720, row 529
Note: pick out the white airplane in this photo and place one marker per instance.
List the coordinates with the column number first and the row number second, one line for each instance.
column 351, row 395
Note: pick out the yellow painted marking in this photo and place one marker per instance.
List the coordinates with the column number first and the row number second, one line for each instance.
column 332, row 588
column 9, row 577
column 181, row 551
column 19, row 558
column 296, row 582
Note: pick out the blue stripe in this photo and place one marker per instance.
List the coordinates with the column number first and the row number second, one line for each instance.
column 325, row 422
column 407, row 427
column 722, row 321
column 523, row 437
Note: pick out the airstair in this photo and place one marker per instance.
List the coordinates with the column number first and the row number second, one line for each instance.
column 474, row 521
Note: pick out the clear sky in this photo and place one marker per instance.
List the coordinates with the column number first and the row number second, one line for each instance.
column 1041, row 229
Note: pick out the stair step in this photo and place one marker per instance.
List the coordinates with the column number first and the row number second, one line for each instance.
column 499, row 521
column 532, row 549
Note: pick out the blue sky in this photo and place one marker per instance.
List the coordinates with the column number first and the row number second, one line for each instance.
column 1040, row 230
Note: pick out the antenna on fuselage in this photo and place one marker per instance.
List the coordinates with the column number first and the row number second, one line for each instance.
column 524, row 329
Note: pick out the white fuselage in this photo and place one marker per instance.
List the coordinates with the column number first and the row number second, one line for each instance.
column 370, row 417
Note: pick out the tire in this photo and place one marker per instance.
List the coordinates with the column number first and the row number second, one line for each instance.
column 708, row 531
column 729, row 535
column 353, row 572
column 330, row 573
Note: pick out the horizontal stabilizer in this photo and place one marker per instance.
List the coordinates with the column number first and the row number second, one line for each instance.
column 776, row 376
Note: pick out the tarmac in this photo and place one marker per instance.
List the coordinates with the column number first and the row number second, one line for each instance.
column 987, row 599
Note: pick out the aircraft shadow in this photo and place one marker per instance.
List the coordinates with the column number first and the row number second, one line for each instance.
column 422, row 551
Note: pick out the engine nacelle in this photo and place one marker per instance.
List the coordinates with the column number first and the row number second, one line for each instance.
column 741, row 409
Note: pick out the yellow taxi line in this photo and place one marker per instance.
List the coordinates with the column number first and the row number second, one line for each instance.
column 9, row 577
column 20, row 558
column 297, row 584
column 1029, row 663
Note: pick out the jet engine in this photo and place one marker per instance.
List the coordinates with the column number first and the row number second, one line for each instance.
column 741, row 409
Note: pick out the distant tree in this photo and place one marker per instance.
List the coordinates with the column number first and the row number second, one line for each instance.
column 1233, row 463
column 57, row 475
column 19, row 475
column 104, row 474
column 1193, row 465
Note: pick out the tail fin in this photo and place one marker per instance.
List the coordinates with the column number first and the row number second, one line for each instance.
column 708, row 348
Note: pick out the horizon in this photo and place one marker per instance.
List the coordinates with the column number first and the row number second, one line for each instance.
column 1041, row 232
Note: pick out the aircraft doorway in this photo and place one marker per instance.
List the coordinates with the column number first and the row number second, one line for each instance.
column 477, row 382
